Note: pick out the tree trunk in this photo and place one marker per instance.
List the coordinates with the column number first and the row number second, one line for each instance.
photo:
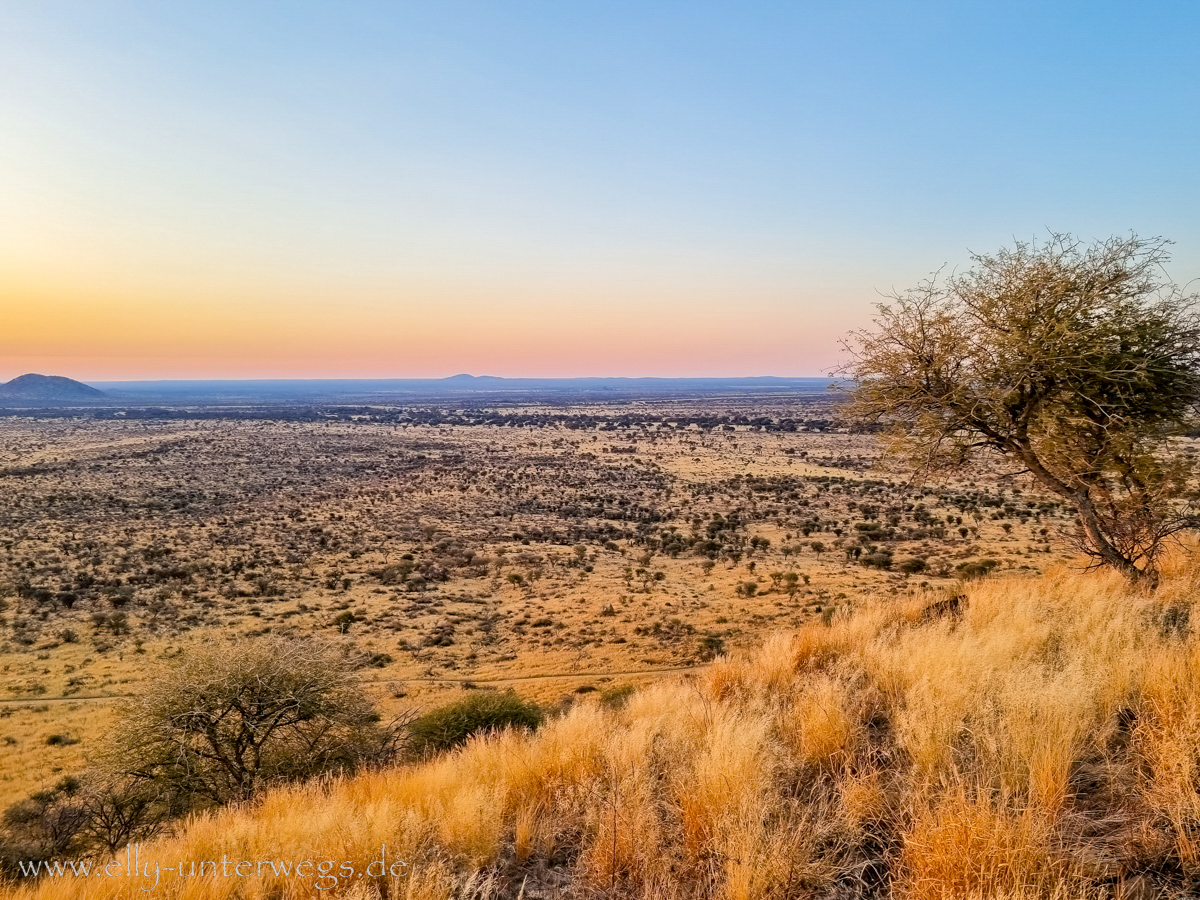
column 1085, row 509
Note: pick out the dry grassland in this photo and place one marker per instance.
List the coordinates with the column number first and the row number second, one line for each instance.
column 1038, row 738
column 553, row 549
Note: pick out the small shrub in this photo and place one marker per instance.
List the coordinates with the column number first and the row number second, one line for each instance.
column 881, row 559
column 980, row 568
column 616, row 697
column 452, row 725
column 711, row 646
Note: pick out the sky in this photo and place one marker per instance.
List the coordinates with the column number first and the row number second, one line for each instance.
column 661, row 187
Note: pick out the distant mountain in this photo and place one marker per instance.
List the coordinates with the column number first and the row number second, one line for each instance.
column 47, row 389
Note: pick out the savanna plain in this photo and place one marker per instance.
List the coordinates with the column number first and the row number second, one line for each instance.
column 757, row 659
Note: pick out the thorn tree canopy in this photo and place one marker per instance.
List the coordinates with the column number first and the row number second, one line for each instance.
column 1076, row 362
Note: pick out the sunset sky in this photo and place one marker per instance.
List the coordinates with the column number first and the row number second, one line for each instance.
column 561, row 188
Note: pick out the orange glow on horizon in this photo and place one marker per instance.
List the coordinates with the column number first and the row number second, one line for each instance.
column 115, row 331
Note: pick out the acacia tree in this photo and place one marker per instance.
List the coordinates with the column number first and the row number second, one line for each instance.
column 222, row 723
column 1076, row 362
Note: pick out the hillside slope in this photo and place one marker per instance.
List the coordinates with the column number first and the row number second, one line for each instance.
column 1032, row 738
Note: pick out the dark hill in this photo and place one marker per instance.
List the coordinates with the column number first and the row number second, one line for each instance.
column 47, row 389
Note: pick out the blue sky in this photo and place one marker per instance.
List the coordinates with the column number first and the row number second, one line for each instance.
column 570, row 188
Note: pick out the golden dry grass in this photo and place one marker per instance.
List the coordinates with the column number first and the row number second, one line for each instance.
column 1044, row 741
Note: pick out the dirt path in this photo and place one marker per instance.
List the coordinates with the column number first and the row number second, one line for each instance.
column 519, row 678
column 34, row 701
column 501, row 679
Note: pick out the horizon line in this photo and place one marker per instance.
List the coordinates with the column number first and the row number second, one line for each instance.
column 464, row 377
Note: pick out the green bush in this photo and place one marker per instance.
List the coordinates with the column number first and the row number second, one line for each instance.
column 452, row 725
column 976, row 568
column 881, row 559
column 711, row 646
column 617, row 697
